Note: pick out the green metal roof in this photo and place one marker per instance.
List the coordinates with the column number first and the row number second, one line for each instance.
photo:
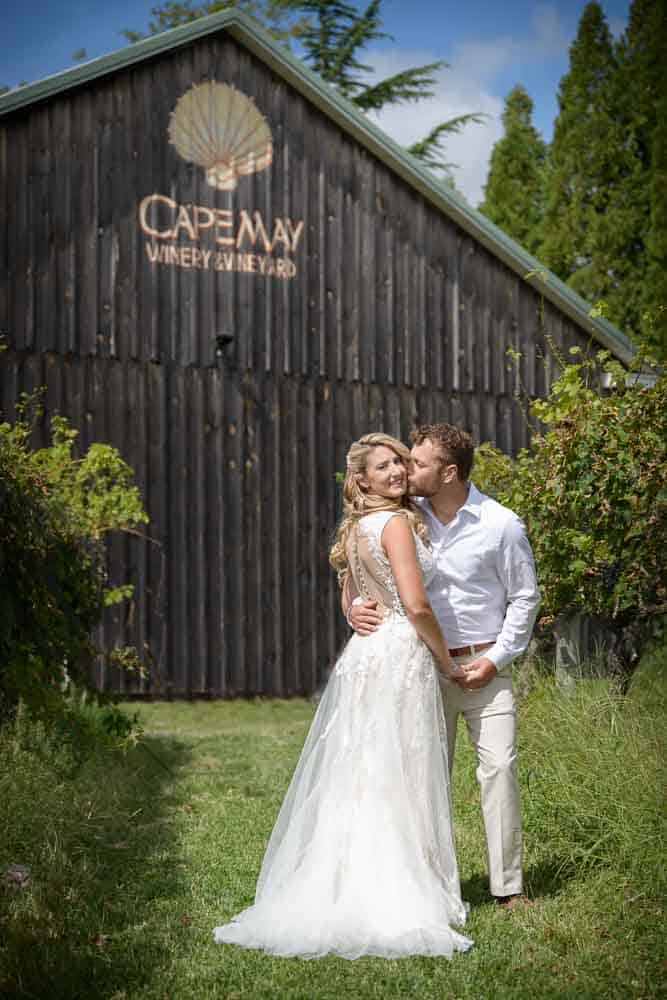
column 253, row 37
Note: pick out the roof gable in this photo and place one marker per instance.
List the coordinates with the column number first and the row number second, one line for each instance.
column 348, row 117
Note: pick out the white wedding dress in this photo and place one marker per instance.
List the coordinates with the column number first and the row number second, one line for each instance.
column 361, row 859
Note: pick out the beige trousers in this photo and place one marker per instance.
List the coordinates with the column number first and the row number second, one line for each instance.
column 490, row 716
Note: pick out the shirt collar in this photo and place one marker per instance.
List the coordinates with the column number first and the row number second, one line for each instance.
column 473, row 504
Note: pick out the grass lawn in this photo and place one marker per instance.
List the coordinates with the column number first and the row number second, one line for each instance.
column 133, row 859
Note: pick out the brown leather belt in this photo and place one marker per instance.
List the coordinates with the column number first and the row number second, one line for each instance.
column 471, row 650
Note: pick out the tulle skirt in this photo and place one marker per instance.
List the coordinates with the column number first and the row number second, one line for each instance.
column 361, row 859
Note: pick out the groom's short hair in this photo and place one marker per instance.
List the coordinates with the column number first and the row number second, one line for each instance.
column 456, row 445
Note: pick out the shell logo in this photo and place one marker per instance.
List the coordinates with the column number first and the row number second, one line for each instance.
column 219, row 128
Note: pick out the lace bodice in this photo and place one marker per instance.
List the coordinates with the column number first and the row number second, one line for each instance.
column 370, row 565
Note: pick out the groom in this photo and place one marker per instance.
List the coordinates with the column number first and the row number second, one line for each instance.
column 485, row 597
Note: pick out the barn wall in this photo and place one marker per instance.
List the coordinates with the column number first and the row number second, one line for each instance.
column 394, row 316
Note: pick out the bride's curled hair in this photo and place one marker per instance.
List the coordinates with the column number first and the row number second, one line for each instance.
column 357, row 501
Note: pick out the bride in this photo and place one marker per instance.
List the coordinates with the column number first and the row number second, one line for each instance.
column 361, row 859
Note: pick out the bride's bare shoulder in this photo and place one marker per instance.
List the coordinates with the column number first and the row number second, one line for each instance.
column 397, row 530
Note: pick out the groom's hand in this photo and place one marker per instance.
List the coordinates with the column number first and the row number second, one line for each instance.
column 477, row 674
column 364, row 618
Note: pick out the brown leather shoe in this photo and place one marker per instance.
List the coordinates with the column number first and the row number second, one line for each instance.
column 514, row 902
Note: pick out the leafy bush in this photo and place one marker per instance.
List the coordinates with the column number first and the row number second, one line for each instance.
column 494, row 471
column 55, row 511
column 592, row 490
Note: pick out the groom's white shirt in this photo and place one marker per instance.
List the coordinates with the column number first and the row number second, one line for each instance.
column 485, row 586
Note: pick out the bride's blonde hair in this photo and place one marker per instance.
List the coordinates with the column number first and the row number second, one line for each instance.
column 357, row 501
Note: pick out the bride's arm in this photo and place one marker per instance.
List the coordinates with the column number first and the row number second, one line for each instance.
column 399, row 544
column 348, row 594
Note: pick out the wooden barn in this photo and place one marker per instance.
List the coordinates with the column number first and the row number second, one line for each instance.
column 216, row 264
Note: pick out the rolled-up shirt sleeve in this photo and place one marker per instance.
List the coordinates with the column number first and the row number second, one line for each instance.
column 516, row 571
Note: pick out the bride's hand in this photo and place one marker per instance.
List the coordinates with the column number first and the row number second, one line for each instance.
column 451, row 670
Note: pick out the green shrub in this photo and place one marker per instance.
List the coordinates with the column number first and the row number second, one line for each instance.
column 592, row 490
column 55, row 512
column 493, row 471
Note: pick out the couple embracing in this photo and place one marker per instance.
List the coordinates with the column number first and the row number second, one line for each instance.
column 438, row 583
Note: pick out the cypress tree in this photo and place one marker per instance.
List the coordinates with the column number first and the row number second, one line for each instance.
column 643, row 94
column 654, row 291
column 590, row 218
column 513, row 194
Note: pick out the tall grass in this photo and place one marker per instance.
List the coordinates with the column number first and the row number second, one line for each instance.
column 91, row 828
column 134, row 857
column 593, row 765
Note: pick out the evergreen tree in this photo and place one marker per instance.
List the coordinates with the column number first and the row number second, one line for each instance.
column 590, row 234
column 514, row 190
column 654, row 292
column 332, row 33
column 643, row 97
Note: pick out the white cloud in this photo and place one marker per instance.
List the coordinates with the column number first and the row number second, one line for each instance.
column 466, row 86
column 544, row 39
column 456, row 93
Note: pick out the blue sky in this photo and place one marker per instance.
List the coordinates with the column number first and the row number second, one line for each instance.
column 489, row 44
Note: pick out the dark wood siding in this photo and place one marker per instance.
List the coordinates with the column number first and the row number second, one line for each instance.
column 394, row 317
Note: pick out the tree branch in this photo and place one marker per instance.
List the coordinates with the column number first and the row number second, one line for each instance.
column 409, row 85
column 430, row 148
